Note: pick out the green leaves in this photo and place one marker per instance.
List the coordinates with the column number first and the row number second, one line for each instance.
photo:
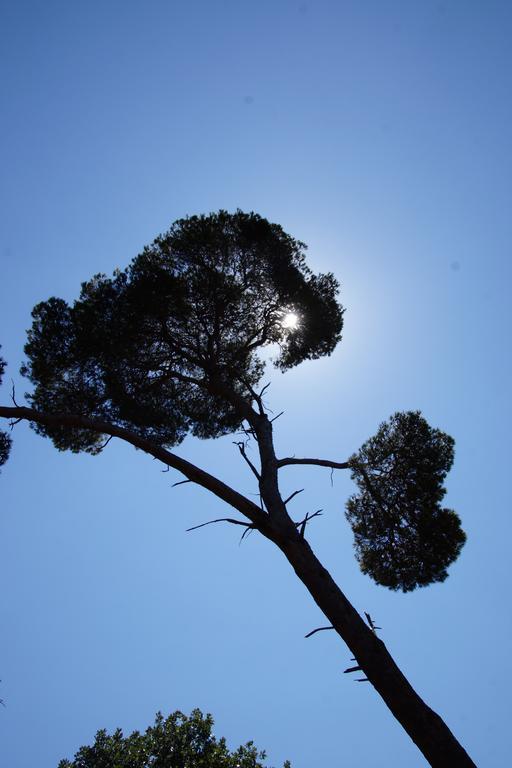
column 177, row 741
column 403, row 537
column 171, row 345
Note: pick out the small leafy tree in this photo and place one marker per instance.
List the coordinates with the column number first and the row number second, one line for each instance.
column 173, row 345
column 176, row 741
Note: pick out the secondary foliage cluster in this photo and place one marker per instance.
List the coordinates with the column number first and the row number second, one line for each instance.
column 5, row 439
column 403, row 537
column 176, row 741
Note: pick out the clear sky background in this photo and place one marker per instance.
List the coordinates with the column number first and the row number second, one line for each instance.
column 380, row 134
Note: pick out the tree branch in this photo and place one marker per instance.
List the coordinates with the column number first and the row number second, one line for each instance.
column 221, row 520
column 241, row 447
column 13, row 394
column 306, row 520
column 196, row 475
column 291, row 496
column 315, row 462
column 318, row 629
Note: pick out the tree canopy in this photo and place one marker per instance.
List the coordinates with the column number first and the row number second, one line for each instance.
column 168, row 345
column 177, row 741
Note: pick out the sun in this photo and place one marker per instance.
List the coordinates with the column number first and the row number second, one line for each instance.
column 290, row 321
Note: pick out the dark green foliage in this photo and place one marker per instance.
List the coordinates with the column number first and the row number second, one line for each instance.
column 403, row 537
column 168, row 345
column 177, row 741
column 5, row 440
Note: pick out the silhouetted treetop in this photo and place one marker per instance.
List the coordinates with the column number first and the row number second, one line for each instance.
column 170, row 345
column 403, row 537
column 5, row 439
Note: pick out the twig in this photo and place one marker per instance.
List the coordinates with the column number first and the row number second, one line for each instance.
column 306, row 520
column 371, row 623
column 241, row 448
column 249, row 529
column 222, row 520
column 254, row 395
column 249, row 432
column 276, row 417
column 318, row 629
column 180, row 482
column 13, row 394
column 107, row 441
column 264, row 390
column 351, row 669
column 290, row 497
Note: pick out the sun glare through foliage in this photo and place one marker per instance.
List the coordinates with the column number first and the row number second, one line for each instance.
column 290, row 321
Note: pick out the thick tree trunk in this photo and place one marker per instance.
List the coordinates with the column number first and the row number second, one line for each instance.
column 428, row 731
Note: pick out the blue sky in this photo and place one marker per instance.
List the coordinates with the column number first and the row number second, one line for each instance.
column 380, row 134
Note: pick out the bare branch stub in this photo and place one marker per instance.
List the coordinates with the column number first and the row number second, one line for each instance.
column 241, row 447
column 258, row 398
column 318, row 629
column 276, row 417
column 180, row 482
column 255, row 396
column 222, row 520
column 13, row 394
column 289, row 460
column 292, row 495
column 306, row 520
column 371, row 623
column 352, row 669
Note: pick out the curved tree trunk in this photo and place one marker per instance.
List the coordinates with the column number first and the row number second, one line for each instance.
column 426, row 728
